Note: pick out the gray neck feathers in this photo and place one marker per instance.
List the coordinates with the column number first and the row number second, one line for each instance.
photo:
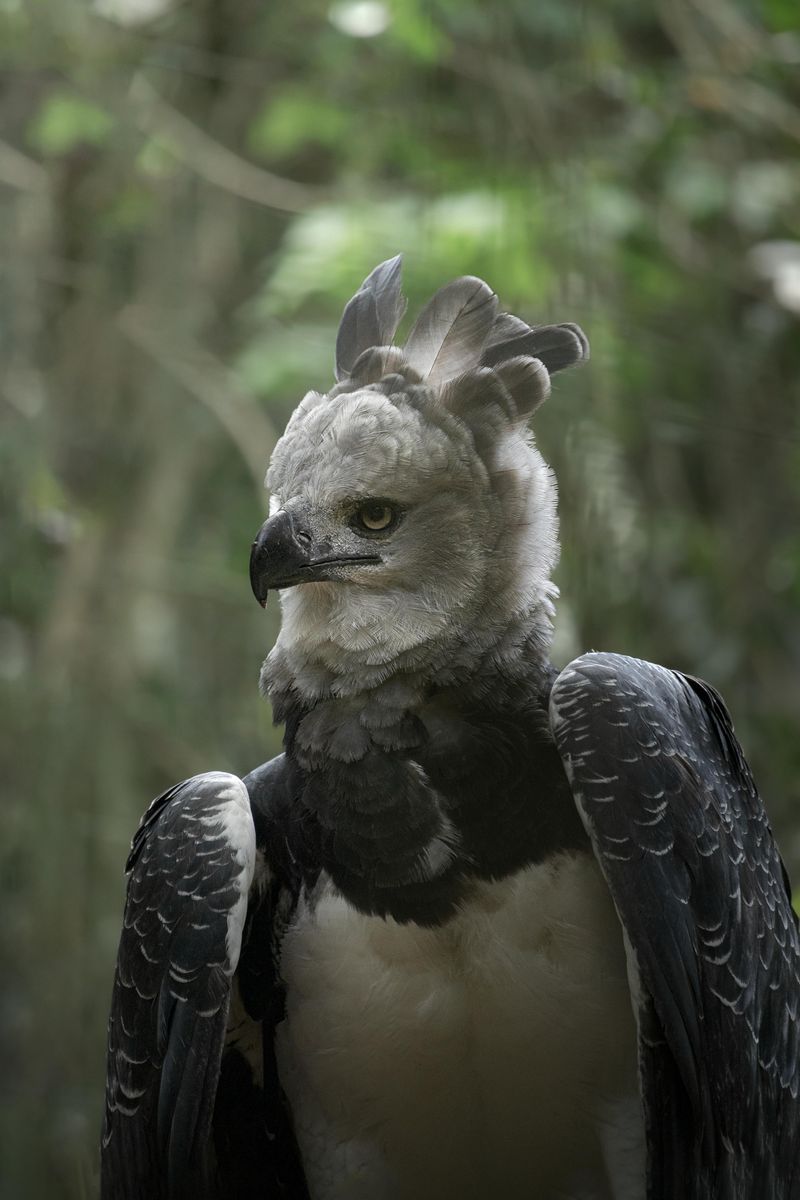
column 473, row 660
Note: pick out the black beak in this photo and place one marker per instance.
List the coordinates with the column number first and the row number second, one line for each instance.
column 279, row 554
column 285, row 553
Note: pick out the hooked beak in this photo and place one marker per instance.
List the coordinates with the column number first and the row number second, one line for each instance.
column 285, row 554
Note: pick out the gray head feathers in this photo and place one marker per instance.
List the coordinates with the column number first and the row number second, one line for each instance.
column 458, row 333
column 434, row 435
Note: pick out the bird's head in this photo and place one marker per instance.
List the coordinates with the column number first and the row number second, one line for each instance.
column 411, row 513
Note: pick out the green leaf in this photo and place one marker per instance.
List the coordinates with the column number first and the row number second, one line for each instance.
column 414, row 29
column 782, row 15
column 294, row 120
column 65, row 121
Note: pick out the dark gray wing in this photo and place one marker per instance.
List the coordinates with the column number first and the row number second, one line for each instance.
column 191, row 868
column 713, row 948
column 257, row 1153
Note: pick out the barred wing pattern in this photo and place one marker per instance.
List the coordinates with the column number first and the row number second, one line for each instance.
column 191, row 867
column 713, row 948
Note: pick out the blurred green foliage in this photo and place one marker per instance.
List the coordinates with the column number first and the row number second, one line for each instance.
column 188, row 194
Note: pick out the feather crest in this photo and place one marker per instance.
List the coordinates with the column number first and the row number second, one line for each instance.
column 527, row 381
column 371, row 317
column 514, row 390
column 451, row 330
column 557, row 346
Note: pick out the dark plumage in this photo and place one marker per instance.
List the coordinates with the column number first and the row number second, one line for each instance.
column 170, row 1002
column 482, row 927
column 687, row 851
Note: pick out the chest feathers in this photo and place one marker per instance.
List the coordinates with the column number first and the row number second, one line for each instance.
column 491, row 1055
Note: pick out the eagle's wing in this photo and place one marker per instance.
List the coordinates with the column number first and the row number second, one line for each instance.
column 181, row 1105
column 712, row 942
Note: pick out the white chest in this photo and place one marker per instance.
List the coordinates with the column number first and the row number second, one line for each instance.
column 493, row 1056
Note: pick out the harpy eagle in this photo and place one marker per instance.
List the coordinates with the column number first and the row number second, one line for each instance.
column 484, row 928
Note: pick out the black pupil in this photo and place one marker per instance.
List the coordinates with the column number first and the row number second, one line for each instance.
column 376, row 514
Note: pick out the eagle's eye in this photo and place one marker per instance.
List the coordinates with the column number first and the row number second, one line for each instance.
column 375, row 516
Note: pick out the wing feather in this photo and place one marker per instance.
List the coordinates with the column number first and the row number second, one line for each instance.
column 191, row 867
column 686, row 847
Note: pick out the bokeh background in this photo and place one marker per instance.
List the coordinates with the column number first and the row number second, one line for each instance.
column 189, row 191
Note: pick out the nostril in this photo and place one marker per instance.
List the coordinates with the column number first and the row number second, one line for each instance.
column 303, row 536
